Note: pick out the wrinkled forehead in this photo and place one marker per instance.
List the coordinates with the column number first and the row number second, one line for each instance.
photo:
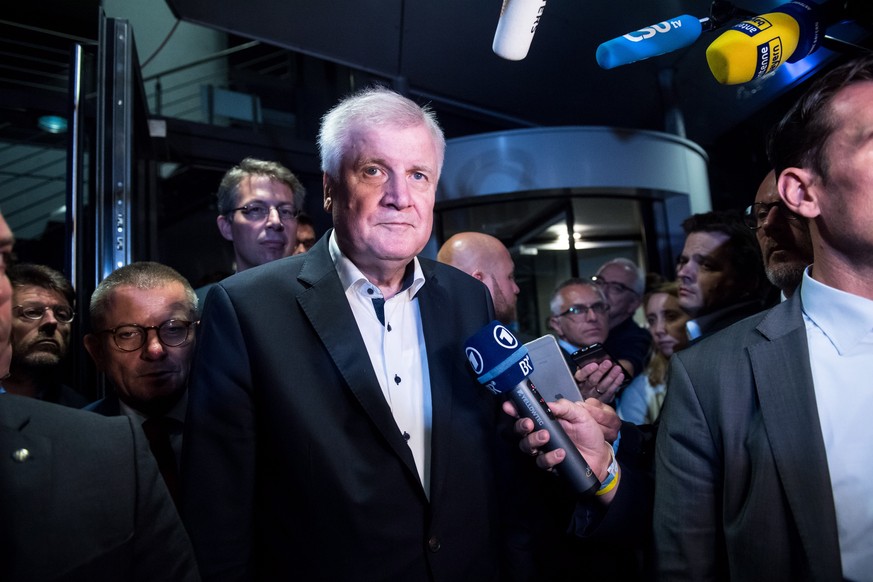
column 580, row 294
column 37, row 293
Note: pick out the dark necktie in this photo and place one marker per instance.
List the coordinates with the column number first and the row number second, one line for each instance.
column 157, row 431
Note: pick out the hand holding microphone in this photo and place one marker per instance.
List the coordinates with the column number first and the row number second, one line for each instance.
column 503, row 365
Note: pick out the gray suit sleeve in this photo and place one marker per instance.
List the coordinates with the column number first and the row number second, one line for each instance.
column 687, row 483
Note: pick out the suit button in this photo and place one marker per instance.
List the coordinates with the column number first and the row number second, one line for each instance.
column 21, row 455
column 433, row 544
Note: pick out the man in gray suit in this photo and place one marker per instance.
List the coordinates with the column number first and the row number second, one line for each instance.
column 763, row 462
column 80, row 495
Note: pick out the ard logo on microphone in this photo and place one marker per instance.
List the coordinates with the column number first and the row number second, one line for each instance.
column 504, row 338
column 650, row 31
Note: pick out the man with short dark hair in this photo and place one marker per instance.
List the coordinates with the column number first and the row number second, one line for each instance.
column 763, row 462
column 258, row 205
column 43, row 313
column 305, row 234
column 719, row 272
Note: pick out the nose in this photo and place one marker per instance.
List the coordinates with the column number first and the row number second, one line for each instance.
column 48, row 321
column 153, row 349
column 274, row 221
column 658, row 328
column 686, row 271
column 515, row 288
column 397, row 192
column 771, row 221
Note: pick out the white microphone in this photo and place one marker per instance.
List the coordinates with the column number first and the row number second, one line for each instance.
column 516, row 27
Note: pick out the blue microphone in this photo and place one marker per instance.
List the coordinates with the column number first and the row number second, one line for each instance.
column 502, row 364
column 652, row 41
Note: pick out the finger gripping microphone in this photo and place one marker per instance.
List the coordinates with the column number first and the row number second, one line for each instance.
column 516, row 27
column 503, row 365
column 652, row 41
column 757, row 46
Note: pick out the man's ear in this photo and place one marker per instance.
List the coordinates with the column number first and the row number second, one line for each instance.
column 799, row 189
column 478, row 275
column 327, row 186
column 224, row 227
column 95, row 349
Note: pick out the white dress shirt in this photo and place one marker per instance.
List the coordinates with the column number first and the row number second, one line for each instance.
column 397, row 352
column 839, row 329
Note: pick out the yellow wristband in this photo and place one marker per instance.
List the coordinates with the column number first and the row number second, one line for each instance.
column 612, row 474
column 610, row 484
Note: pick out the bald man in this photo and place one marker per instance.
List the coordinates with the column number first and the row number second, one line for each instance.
column 485, row 258
column 783, row 236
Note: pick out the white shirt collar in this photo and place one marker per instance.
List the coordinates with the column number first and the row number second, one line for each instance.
column 352, row 277
column 843, row 317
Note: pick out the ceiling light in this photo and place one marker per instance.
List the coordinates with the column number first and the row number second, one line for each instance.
column 52, row 124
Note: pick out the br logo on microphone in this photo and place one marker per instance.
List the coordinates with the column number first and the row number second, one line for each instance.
column 650, row 31
column 504, row 338
column 476, row 361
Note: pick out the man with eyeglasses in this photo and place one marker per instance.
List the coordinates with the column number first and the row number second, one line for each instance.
column 580, row 317
column 623, row 283
column 80, row 495
column 782, row 235
column 258, row 205
column 143, row 319
column 42, row 315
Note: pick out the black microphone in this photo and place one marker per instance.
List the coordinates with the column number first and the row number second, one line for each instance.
column 503, row 365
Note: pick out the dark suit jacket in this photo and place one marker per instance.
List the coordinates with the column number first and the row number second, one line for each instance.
column 85, row 501
column 109, row 405
column 294, row 467
column 742, row 484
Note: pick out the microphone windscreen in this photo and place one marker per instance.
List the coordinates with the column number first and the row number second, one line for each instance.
column 651, row 41
column 498, row 359
column 753, row 48
column 516, row 27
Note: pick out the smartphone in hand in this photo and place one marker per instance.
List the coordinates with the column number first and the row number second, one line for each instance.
column 597, row 353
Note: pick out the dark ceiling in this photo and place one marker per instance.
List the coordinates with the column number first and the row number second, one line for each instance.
column 438, row 51
column 442, row 49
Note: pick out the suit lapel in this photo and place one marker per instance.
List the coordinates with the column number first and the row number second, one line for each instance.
column 327, row 309
column 431, row 299
column 787, row 398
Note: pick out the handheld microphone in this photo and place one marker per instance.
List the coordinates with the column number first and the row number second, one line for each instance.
column 503, row 365
column 516, row 27
column 652, row 41
column 757, row 46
